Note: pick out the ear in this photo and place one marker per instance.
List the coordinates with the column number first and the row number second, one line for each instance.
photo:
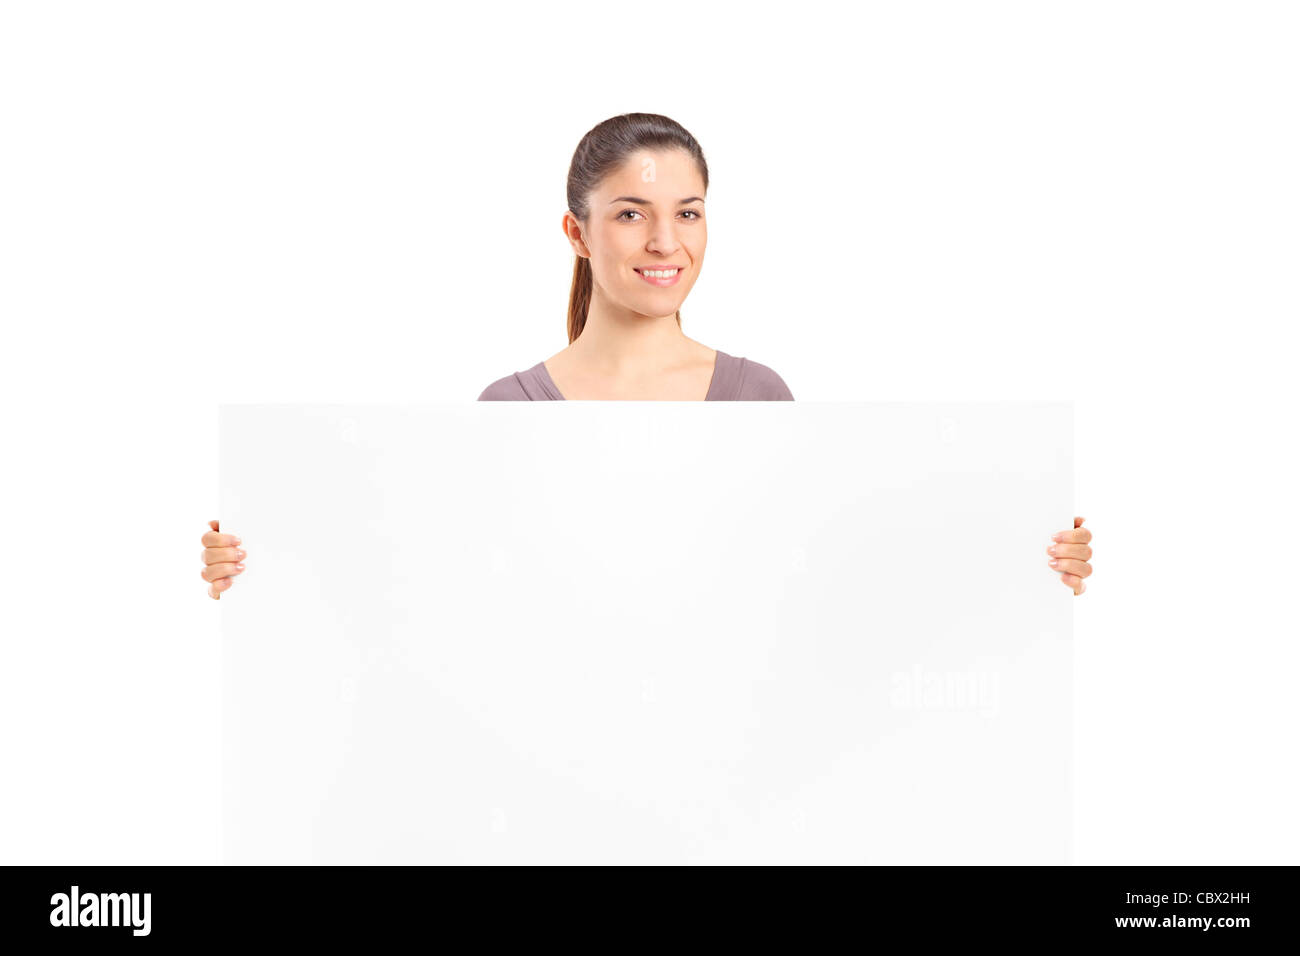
column 573, row 230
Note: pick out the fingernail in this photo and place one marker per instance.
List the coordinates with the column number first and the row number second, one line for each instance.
column 239, row 567
column 239, row 555
column 1083, row 587
column 1051, row 549
column 1052, row 562
column 239, row 541
column 1057, row 536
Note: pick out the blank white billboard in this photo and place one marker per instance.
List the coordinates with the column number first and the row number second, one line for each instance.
column 647, row 632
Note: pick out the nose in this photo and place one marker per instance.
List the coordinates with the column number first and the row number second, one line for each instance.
column 663, row 240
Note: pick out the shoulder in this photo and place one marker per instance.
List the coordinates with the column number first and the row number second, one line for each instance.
column 759, row 383
column 531, row 385
column 506, row 389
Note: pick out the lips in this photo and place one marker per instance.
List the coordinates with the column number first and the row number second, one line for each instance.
column 656, row 281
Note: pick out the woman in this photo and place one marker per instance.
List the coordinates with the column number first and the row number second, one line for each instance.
column 638, row 230
column 636, row 223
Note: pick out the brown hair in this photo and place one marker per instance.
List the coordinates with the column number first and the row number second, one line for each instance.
column 606, row 147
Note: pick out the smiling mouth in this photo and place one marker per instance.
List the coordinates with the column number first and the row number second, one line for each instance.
column 660, row 278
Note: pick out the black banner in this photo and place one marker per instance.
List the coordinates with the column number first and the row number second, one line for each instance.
column 1224, row 906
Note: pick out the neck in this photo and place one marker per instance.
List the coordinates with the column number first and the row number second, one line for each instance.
column 616, row 340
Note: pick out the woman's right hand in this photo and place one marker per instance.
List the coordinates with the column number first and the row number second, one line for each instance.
column 222, row 560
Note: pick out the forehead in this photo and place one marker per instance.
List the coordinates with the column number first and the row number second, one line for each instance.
column 652, row 172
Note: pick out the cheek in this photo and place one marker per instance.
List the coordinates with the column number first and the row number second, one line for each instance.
column 697, row 262
column 697, row 248
column 611, row 270
column 613, row 257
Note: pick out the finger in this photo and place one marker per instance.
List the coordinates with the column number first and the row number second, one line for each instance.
column 214, row 571
column 213, row 555
column 1081, row 568
column 219, row 585
column 1076, row 583
column 1080, row 551
column 212, row 539
column 1076, row 536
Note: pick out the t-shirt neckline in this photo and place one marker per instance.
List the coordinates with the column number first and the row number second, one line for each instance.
column 715, row 380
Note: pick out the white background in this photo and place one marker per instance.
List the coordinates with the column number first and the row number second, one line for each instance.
column 204, row 203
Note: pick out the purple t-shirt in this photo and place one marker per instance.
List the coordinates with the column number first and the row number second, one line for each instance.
column 734, row 380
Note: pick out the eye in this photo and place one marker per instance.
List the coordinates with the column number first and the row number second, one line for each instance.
column 694, row 214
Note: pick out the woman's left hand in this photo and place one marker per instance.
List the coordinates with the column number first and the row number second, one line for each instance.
column 1069, row 554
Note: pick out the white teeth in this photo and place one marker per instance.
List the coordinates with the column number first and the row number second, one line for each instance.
column 663, row 274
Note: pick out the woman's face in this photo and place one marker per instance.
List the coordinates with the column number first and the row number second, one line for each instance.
column 647, row 216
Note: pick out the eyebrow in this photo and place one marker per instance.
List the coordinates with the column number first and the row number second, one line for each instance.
column 646, row 202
